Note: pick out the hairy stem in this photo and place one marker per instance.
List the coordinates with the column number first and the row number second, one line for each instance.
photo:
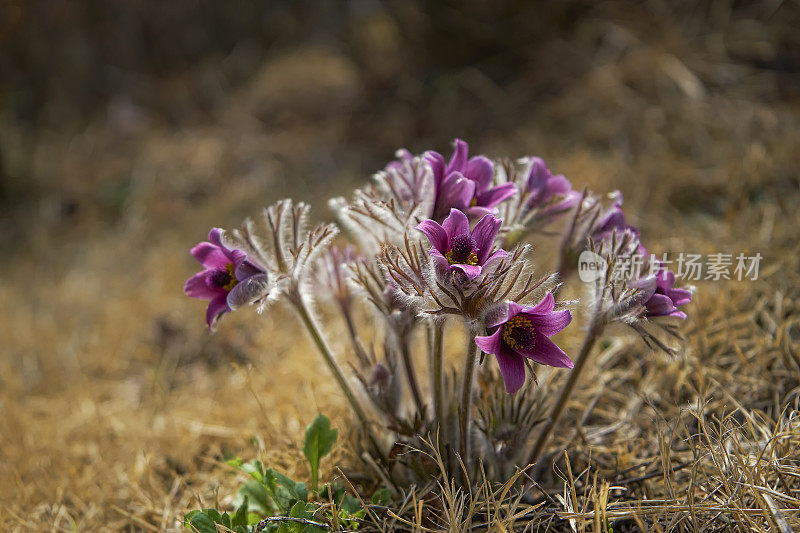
column 465, row 408
column 411, row 374
column 351, row 329
column 593, row 333
column 316, row 335
column 437, row 377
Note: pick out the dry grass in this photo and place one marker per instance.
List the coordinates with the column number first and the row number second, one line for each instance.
column 116, row 409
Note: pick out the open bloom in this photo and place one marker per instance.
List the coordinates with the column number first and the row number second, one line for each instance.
column 548, row 193
column 519, row 331
column 659, row 297
column 465, row 183
column 455, row 247
column 229, row 278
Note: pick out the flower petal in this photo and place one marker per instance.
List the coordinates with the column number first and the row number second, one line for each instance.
column 680, row 296
column 544, row 351
column 496, row 195
column 471, row 271
column 248, row 291
column 216, row 308
column 455, row 191
column 247, row 269
column 435, row 233
column 459, row 159
column 455, row 224
column 491, row 344
column 659, row 305
column 480, row 170
column 514, row 309
column 496, row 315
column 484, row 234
column 215, row 236
column 547, row 304
column 436, row 161
column 209, row 255
column 647, row 286
column 498, row 254
column 512, row 368
column 197, row 287
column 550, row 323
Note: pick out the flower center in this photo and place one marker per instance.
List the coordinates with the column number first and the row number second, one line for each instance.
column 518, row 333
column 462, row 251
column 474, row 201
column 224, row 278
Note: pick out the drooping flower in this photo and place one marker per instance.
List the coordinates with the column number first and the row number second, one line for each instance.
column 546, row 193
column 611, row 221
column 465, row 183
column 228, row 279
column 455, row 247
column 518, row 331
column 659, row 296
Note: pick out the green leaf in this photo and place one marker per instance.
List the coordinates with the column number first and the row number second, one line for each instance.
column 350, row 504
column 240, row 518
column 288, row 491
column 201, row 522
column 382, row 497
column 319, row 441
column 257, row 497
column 206, row 521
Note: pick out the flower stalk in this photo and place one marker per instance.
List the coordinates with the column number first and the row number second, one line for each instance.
column 592, row 334
column 465, row 408
column 437, row 376
column 301, row 307
column 411, row 374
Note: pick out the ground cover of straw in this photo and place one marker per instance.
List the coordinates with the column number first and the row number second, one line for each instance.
column 117, row 409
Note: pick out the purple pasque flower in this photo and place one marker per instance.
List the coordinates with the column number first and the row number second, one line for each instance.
column 465, row 183
column 518, row 332
column 228, row 279
column 611, row 220
column 659, row 296
column 455, row 247
column 548, row 193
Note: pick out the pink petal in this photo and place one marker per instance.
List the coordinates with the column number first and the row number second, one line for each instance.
column 547, row 304
column 498, row 254
column 460, row 154
column 436, row 161
column 455, row 191
column 551, row 323
column 472, row 271
column 480, row 170
column 659, row 305
column 484, row 234
column 546, row 352
column 680, row 296
column 216, row 308
column 496, row 316
column 455, row 224
column 512, row 368
column 491, row 344
column 209, row 255
column 496, row 195
column 197, row 287
column 435, row 233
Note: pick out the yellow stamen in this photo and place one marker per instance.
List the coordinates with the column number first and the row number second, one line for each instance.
column 509, row 327
column 471, row 260
column 233, row 281
column 474, row 202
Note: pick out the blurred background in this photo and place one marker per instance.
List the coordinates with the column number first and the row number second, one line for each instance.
column 128, row 129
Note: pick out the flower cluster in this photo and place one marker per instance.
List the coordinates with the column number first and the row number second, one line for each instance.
column 432, row 243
